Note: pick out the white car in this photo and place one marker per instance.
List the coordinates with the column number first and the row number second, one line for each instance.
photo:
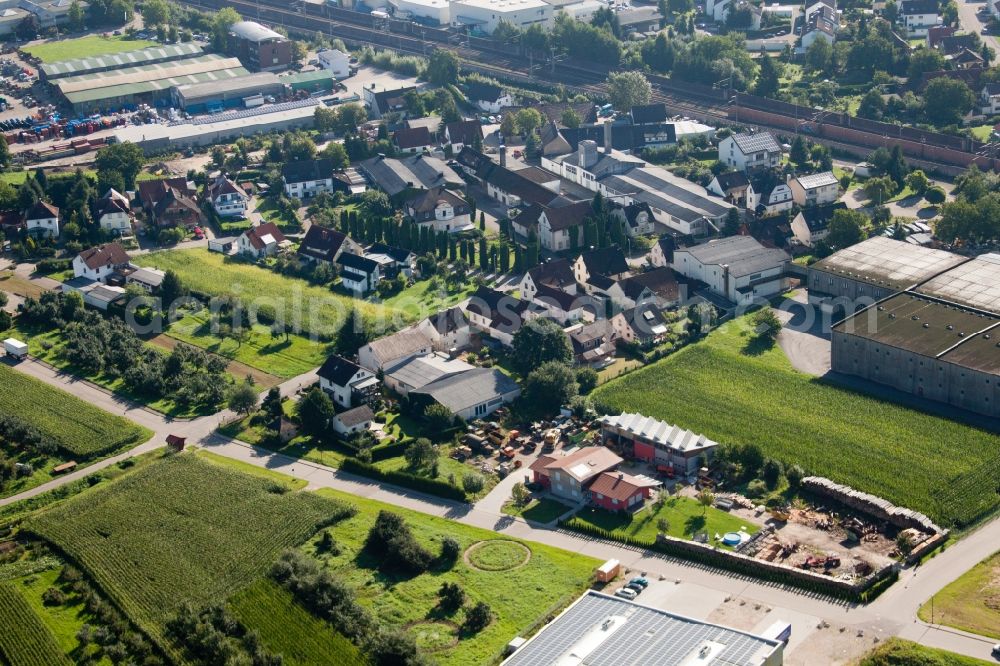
column 996, row 650
column 626, row 593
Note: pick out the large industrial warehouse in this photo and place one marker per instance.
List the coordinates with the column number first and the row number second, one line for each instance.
column 934, row 331
column 103, row 63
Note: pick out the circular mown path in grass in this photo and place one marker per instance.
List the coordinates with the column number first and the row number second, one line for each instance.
column 497, row 555
column 433, row 635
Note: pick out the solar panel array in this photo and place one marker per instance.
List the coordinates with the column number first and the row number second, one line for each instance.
column 258, row 111
column 639, row 636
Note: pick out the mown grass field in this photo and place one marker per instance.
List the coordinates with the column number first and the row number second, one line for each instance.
column 422, row 300
column 971, row 602
column 85, row 47
column 731, row 393
column 520, row 598
column 543, row 510
column 277, row 356
column 685, row 518
column 81, row 429
column 24, row 638
column 286, row 628
column 899, row 652
column 182, row 528
column 315, row 310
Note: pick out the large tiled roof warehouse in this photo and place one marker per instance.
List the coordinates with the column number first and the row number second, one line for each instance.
column 104, row 63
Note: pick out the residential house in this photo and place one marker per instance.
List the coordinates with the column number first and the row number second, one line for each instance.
column 562, row 306
column 439, row 209
column 346, row 382
column 381, row 102
column 260, row 241
column 393, row 260
column 353, row 421
column 769, row 194
column 412, row 140
column 404, row 176
column 489, row 97
column 325, row 244
column 448, row 329
column 469, row 395
column 568, row 476
column 738, row 268
column 734, row 187
column 419, row 371
column 227, row 198
column 662, row 252
column 515, row 189
column 989, row 99
column 496, row 313
column 670, row 448
column 555, row 273
column 463, row 133
column 552, row 140
column 593, row 343
column 918, row 16
column 642, row 325
column 336, row 61
column 349, row 181
column 608, row 261
column 391, row 349
column 951, row 45
column 97, row 263
column 648, row 114
column 42, row 219
column 170, row 202
column 561, row 227
column 618, row 491
column 637, row 218
column 359, row 275
column 822, row 24
column 748, row 151
column 817, row 189
column 658, row 286
column 813, row 6
column 812, row 224
column 11, row 223
column 307, row 178
column 113, row 213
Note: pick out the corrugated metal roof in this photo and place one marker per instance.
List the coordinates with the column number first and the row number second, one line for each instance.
column 164, row 70
column 659, row 432
column 127, row 59
column 259, row 82
column 115, row 92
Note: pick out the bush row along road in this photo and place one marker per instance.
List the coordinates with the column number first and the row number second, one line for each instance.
column 698, row 590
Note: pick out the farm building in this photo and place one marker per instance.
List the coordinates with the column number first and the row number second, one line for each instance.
column 874, row 269
column 602, row 630
column 149, row 84
column 472, row 394
column 939, row 340
column 214, row 96
column 666, row 446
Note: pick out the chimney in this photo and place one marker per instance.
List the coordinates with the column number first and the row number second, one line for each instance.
column 621, row 475
column 503, row 156
column 607, row 135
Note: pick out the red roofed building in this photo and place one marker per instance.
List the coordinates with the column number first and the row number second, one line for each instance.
column 569, row 476
column 617, row 491
column 260, row 241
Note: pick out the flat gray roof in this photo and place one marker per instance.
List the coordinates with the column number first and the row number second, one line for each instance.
column 743, row 254
column 885, row 262
column 975, row 283
column 602, row 630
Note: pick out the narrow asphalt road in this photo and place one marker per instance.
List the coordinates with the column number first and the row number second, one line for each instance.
column 697, row 589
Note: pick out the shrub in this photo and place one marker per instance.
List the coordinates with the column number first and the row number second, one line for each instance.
column 477, row 618
column 756, row 488
column 390, row 538
column 327, row 544
column 473, row 483
column 934, row 195
column 53, row 597
column 795, row 474
column 452, row 596
column 772, row 472
column 450, row 549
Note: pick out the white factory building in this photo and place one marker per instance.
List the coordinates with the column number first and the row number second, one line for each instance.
column 486, row 15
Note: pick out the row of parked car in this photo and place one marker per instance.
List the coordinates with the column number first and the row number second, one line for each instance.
column 633, row 588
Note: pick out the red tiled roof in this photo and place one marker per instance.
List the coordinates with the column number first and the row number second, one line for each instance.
column 616, row 485
column 111, row 254
column 256, row 234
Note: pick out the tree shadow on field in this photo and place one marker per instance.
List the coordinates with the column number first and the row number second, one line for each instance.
column 758, row 345
column 694, row 524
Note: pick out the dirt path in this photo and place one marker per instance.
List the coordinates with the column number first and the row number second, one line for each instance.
column 239, row 370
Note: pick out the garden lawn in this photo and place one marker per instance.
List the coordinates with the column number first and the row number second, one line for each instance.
column 81, row 429
column 25, row 640
column 685, row 517
column 543, row 510
column 448, row 468
column 970, row 603
column 269, row 210
column 180, row 529
column 520, row 598
column 982, row 132
column 286, row 628
column 421, row 300
column 313, row 309
column 733, row 394
column 277, row 356
column 85, row 47
column 899, row 652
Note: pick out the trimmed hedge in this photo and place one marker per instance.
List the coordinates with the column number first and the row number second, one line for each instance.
column 723, row 560
column 430, row 486
column 390, row 450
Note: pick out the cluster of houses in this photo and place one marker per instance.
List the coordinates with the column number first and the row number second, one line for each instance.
column 101, row 273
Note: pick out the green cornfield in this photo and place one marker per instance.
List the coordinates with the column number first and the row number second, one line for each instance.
column 720, row 388
column 181, row 529
column 24, row 638
column 80, row 428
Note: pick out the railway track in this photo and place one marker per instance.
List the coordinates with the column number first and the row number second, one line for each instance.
column 508, row 63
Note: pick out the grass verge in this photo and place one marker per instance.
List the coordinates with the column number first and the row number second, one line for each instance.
column 970, row 603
